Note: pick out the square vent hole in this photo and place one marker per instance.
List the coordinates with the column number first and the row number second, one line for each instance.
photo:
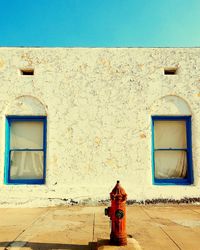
column 170, row 71
column 27, row 72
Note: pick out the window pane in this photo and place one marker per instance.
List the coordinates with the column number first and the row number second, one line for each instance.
column 26, row 165
column 170, row 134
column 26, row 135
column 170, row 164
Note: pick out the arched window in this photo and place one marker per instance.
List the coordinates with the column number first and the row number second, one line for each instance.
column 25, row 153
column 172, row 143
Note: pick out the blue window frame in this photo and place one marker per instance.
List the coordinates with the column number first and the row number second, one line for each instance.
column 25, row 150
column 172, row 150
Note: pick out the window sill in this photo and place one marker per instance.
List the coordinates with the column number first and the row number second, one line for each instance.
column 165, row 182
column 25, row 182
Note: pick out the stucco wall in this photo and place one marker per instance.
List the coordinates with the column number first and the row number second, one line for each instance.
column 99, row 104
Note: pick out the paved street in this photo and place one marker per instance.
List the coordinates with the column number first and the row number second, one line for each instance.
column 79, row 228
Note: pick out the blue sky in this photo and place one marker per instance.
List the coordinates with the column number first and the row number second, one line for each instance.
column 100, row 23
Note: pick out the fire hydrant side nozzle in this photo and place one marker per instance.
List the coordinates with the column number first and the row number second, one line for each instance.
column 117, row 214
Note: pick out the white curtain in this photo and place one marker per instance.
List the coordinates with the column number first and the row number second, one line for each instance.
column 170, row 135
column 170, row 164
column 26, row 164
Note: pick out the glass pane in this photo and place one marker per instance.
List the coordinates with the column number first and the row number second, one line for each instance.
column 170, row 134
column 170, row 164
column 26, row 135
column 26, row 165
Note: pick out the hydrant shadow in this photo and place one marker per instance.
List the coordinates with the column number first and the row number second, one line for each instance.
column 103, row 242
column 47, row 246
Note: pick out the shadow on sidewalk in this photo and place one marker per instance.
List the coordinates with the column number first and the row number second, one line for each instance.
column 46, row 246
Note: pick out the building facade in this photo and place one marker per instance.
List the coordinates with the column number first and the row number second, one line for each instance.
column 73, row 121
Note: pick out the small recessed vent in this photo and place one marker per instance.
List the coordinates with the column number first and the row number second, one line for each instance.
column 170, row 71
column 27, row 72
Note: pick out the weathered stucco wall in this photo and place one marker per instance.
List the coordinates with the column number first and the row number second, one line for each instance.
column 99, row 104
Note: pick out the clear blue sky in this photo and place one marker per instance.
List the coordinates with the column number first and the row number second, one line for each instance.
column 100, row 23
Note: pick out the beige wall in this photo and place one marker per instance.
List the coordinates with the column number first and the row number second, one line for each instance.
column 99, row 104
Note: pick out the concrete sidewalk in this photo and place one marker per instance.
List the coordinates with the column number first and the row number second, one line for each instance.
column 78, row 228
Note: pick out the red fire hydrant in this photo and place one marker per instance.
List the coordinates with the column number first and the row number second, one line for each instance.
column 117, row 214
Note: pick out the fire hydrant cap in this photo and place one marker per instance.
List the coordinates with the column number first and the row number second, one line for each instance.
column 118, row 193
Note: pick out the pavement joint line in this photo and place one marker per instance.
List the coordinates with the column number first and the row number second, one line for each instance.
column 15, row 241
column 93, row 231
column 161, row 229
column 169, row 237
column 194, row 211
column 146, row 213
